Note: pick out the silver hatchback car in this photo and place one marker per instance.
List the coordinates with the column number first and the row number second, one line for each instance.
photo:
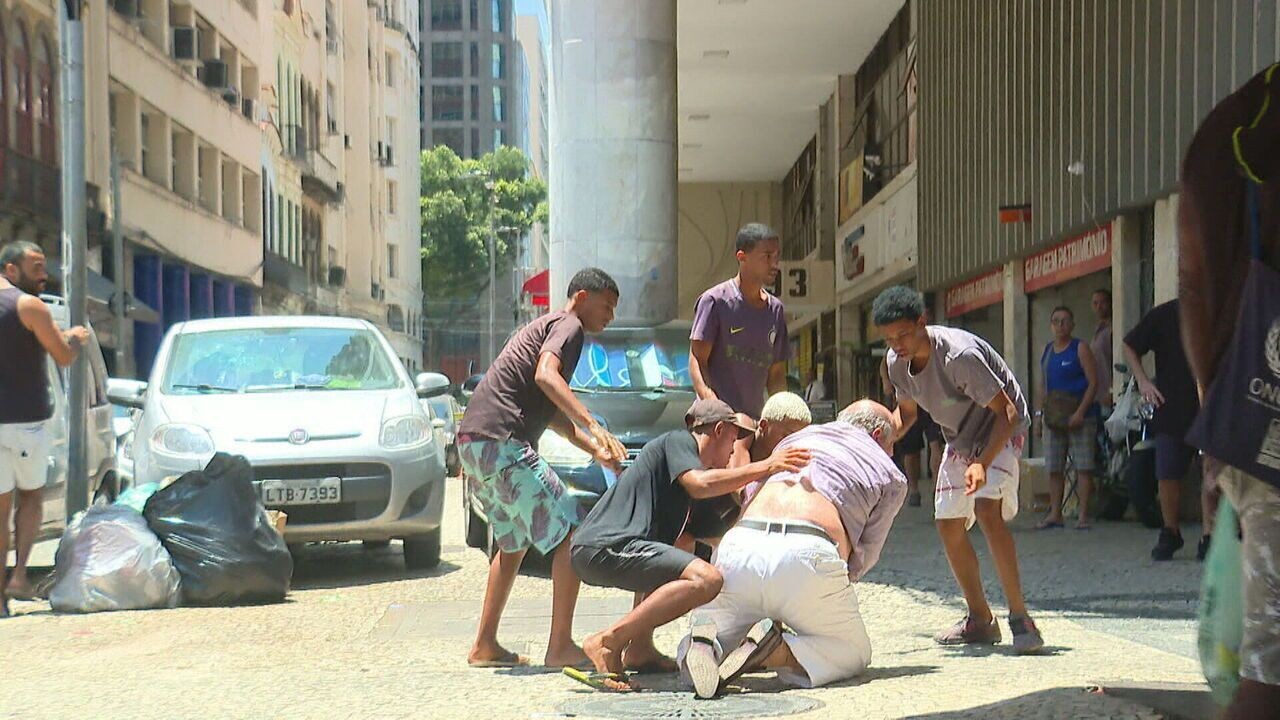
column 325, row 413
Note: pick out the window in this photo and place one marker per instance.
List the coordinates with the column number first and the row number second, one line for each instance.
column 452, row 137
column 475, row 102
column 499, row 138
column 499, row 112
column 446, row 14
column 391, row 197
column 499, row 61
column 392, row 265
column 446, row 102
column 145, row 137
column 499, row 17
column 391, row 64
column 475, row 60
column 446, row 59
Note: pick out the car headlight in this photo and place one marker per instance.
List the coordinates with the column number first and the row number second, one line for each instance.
column 405, row 431
column 182, row 440
column 557, row 451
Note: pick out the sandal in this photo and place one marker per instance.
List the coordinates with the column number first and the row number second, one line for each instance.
column 1050, row 525
column 600, row 681
column 761, row 640
column 508, row 660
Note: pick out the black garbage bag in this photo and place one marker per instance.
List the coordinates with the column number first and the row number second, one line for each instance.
column 216, row 530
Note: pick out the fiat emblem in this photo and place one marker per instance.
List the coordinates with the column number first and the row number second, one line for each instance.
column 299, row 437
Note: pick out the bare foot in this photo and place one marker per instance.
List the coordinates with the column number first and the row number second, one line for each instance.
column 494, row 656
column 605, row 658
column 568, row 656
column 20, row 588
column 645, row 658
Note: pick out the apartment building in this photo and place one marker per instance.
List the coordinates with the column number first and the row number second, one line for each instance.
column 229, row 126
column 469, row 81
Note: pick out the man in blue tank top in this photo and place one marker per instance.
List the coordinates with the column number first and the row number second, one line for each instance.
column 27, row 334
column 1067, row 415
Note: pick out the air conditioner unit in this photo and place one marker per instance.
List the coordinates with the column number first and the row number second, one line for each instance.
column 232, row 97
column 186, row 44
column 249, row 108
column 214, row 74
column 128, row 8
column 337, row 276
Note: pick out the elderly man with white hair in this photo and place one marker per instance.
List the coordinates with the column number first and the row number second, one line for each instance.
column 804, row 538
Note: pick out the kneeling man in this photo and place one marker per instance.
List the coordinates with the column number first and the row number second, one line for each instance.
column 627, row 541
column 803, row 539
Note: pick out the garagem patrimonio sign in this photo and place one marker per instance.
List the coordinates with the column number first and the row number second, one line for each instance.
column 1077, row 257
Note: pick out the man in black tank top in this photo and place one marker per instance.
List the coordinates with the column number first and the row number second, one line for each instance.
column 27, row 334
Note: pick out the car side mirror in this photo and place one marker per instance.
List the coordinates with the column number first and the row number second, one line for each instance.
column 431, row 384
column 127, row 393
column 438, row 423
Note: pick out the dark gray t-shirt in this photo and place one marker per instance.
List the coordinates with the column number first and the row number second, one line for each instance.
column 508, row 404
column 745, row 342
column 648, row 502
column 963, row 376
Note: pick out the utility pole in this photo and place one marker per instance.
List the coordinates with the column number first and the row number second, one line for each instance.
column 492, row 187
column 71, row 32
column 119, row 298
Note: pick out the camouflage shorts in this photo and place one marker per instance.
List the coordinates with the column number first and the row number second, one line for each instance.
column 524, row 500
column 1258, row 505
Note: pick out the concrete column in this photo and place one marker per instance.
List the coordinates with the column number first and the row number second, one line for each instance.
column 186, row 177
column 1126, row 282
column 1016, row 347
column 129, row 130
column 848, row 334
column 613, row 151
column 211, row 179
column 232, row 192
column 1166, row 249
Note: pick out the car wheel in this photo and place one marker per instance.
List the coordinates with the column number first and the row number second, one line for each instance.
column 423, row 551
column 376, row 544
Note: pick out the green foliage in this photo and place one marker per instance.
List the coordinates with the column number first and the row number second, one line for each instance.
column 455, row 205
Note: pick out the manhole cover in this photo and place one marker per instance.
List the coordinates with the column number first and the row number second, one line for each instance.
column 671, row 705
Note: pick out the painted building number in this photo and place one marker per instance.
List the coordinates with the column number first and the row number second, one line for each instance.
column 797, row 283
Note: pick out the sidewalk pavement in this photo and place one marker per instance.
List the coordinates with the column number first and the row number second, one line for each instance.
column 361, row 638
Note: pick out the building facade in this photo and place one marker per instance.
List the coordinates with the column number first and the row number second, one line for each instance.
column 469, row 83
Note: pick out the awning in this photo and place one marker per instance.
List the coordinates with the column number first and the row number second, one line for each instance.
column 539, row 286
column 101, row 291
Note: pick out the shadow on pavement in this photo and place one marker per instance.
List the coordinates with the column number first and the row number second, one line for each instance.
column 338, row 565
column 1054, row 703
column 1158, row 606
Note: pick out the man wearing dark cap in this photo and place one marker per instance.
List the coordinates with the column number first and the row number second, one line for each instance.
column 628, row 540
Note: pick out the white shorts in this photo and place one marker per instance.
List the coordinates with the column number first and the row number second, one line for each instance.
column 24, row 456
column 949, row 500
column 800, row 580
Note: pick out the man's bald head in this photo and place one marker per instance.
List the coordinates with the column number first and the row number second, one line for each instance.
column 879, row 422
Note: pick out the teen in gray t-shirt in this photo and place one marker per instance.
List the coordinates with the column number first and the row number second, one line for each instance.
column 961, row 379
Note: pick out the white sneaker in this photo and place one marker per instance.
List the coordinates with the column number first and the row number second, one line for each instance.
column 701, row 660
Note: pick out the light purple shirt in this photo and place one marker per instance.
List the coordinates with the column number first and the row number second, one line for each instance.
column 745, row 342
column 851, row 470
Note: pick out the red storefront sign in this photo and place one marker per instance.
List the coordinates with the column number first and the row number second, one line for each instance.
column 977, row 293
column 1077, row 257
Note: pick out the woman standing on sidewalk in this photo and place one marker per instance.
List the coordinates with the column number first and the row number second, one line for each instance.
column 1068, row 416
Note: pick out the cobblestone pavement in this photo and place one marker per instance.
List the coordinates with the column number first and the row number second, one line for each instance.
column 360, row 638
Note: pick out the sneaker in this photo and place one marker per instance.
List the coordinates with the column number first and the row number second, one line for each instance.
column 761, row 640
column 1169, row 543
column 970, row 631
column 1026, row 636
column 913, row 500
column 701, row 660
column 1202, row 550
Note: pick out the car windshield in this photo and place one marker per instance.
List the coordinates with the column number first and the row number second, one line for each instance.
column 278, row 359
column 635, row 359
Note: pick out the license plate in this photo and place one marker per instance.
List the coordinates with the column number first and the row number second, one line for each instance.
column 319, row 491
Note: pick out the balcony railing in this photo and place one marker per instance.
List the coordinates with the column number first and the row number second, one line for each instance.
column 30, row 185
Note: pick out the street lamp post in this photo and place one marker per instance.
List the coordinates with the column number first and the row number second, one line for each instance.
column 493, row 268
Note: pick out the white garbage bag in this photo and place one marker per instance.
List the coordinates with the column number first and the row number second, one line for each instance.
column 1125, row 418
column 109, row 559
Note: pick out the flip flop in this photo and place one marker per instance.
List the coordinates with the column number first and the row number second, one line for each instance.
column 596, row 680
column 1046, row 525
column 761, row 640
column 701, row 661
column 509, row 660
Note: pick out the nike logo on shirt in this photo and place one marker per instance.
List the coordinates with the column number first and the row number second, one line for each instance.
column 735, row 331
